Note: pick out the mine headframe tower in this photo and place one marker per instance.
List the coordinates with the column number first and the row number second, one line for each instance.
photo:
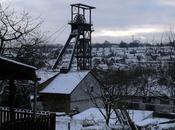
column 78, row 44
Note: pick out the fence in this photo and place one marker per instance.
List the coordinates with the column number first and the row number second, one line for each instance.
column 21, row 119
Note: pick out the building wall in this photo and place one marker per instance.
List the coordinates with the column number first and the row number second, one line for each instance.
column 80, row 98
column 150, row 103
column 55, row 102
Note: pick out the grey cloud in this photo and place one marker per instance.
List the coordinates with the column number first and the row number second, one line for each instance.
column 121, row 14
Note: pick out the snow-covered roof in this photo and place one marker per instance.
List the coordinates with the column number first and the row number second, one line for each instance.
column 65, row 83
column 91, row 113
column 152, row 121
column 10, row 69
column 94, row 113
column 15, row 62
column 139, row 115
column 166, row 126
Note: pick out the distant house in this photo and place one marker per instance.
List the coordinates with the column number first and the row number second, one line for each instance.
column 68, row 91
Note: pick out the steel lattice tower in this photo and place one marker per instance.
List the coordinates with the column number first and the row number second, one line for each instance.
column 79, row 39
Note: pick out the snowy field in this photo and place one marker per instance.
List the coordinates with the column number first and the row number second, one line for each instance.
column 93, row 117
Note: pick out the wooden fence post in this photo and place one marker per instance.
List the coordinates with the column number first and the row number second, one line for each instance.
column 52, row 121
column 12, row 99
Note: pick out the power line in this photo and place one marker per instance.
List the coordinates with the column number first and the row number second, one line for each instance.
column 58, row 35
column 58, row 30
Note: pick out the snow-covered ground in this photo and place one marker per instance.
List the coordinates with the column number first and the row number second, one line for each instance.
column 94, row 120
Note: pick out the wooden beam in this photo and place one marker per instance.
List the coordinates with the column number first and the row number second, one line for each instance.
column 12, row 91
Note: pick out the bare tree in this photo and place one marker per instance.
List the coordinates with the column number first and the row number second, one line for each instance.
column 167, row 72
column 15, row 26
column 108, row 98
column 167, row 78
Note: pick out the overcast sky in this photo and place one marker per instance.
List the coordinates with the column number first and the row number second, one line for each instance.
column 114, row 20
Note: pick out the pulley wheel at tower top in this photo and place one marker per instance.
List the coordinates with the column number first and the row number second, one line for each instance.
column 79, row 19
